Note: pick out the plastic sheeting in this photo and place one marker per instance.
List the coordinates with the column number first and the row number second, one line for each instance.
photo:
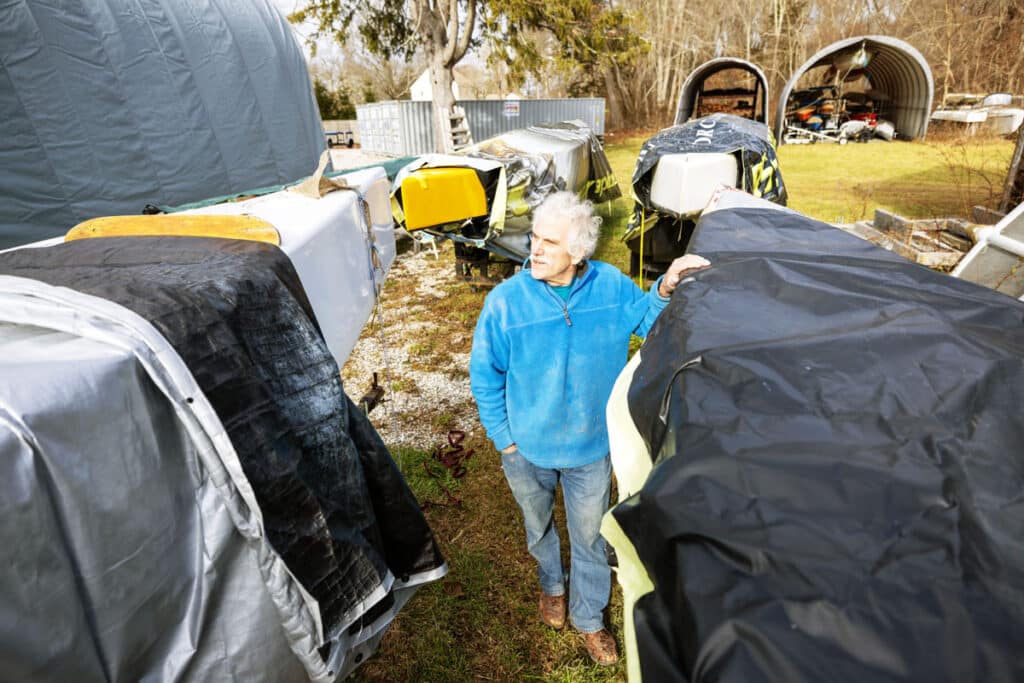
column 297, row 466
column 111, row 105
column 837, row 466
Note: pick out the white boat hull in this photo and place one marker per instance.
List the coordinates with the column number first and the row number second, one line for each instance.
column 683, row 183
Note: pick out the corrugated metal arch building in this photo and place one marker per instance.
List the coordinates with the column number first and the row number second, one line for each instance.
column 693, row 87
column 896, row 68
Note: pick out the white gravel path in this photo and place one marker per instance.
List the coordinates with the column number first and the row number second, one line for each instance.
column 428, row 402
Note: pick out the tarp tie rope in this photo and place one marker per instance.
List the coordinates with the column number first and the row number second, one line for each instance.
column 454, row 455
column 640, row 275
column 382, row 341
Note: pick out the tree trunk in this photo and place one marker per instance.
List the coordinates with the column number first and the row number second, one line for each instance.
column 616, row 111
column 445, row 35
column 442, row 96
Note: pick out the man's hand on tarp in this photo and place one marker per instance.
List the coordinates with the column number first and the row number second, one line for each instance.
column 679, row 269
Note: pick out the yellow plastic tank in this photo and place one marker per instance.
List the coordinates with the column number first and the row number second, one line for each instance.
column 436, row 196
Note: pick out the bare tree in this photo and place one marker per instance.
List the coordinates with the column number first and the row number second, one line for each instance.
column 440, row 29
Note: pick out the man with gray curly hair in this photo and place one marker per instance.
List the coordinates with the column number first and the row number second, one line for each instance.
column 548, row 345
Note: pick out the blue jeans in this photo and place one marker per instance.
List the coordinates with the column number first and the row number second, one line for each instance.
column 585, row 490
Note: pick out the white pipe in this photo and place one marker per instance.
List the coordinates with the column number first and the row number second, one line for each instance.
column 1006, row 244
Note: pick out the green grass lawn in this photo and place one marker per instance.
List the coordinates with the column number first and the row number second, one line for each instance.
column 846, row 183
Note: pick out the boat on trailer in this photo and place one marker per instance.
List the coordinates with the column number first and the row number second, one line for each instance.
column 997, row 114
column 815, row 423
column 680, row 168
column 482, row 198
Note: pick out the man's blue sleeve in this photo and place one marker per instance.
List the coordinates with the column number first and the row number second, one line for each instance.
column 652, row 305
column 488, row 366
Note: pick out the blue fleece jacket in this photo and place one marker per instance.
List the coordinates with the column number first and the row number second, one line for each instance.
column 542, row 370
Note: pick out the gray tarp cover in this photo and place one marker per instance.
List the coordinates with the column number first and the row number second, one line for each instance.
column 182, row 577
column 120, row 570
column 838, row 482
column 110, row 105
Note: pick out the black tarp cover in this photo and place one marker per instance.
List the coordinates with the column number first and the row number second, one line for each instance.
column 838, row 482
column 334, row 504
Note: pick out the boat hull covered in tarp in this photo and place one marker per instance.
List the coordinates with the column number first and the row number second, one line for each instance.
column 821, row 459
column 191, row 490
column 517, row 171
column 656, row 235
column 111, row 105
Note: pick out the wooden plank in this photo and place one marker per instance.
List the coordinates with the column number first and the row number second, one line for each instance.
column 955, row 241
column 922, row 248
column 985, row 215
column 177, row 225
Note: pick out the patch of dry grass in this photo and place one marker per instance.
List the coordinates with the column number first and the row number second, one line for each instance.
column 845, row 183
column 480, row 622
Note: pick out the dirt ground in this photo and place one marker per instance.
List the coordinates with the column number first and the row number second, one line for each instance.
column 479, row 622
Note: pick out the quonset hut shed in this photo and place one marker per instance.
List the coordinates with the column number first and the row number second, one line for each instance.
column 896, row 68
column 694, row 88
column 111, row 105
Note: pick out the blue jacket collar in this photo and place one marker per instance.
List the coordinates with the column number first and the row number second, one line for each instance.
column 584, row 272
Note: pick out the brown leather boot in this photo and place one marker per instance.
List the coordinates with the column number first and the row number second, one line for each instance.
column 552, row 610
column 601, row 647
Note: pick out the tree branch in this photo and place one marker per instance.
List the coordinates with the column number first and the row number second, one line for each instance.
column 467, row 33
column 452, row 33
